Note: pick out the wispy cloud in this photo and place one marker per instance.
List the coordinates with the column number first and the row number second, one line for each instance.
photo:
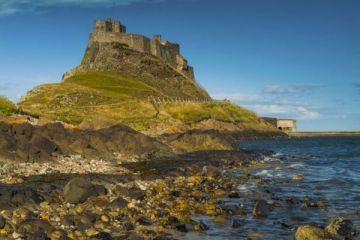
column 266, row 105
column 288, row 89
column 305, row 113
column 8, row 7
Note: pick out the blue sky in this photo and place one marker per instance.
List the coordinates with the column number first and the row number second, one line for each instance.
column 282, row 58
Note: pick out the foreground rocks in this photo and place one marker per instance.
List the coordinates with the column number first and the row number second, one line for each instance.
column 78, row 197
column 137, row 200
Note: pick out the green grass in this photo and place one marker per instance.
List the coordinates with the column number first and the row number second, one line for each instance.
column 6, row 106
column 221, row 111
column 113, row 85
column 124, row 99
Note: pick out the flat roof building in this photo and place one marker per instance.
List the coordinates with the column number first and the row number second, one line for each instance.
column 286, row 125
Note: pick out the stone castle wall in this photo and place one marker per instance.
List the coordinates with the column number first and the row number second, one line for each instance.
column 113, row 31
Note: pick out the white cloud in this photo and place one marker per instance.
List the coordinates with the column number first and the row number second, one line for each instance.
column 288, row 89
column 265, row 109
column 8, row 7
column 265, row 105
column 304, row 113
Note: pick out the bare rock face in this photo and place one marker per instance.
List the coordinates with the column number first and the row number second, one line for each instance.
column 308, row 232
column 117, row 57
column 24, row 142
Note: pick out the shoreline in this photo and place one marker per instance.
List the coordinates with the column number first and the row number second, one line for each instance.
column 79, row 190
column 324, row 134
column 127, row 200
column 164, row 198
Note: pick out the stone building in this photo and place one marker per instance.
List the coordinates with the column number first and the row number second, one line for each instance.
column 113, row 31
column 286, row 125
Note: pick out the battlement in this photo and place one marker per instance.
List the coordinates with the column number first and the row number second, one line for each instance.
column 109, row 26
column 113, row 31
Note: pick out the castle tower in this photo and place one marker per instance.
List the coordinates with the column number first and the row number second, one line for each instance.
column 109, row 26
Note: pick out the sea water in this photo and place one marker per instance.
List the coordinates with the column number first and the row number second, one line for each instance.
column 330, row 167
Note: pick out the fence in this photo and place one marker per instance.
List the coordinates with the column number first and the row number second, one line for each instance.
column 165, row 100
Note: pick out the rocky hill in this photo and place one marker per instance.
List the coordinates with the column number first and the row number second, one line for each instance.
column 143, row 83
column 157, row 63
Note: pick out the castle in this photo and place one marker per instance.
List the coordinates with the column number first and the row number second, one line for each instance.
column 113, row 31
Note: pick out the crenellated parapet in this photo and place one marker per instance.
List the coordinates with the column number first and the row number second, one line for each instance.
column 109, row 26
column 113, row 31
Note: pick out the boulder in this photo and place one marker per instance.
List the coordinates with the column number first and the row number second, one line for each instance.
column 341, row 228
column 211, row 171
column 78, row 190
column 307, row 232
column 132, row 192
column 261, row 209
column 118, row 203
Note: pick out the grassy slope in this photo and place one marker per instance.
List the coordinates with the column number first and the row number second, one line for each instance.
column 114, row 85
column 6, row 106
column 123, row 99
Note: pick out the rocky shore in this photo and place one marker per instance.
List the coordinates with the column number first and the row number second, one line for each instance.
column 143, row 190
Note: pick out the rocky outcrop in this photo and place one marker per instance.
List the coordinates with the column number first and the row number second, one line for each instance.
column 156, row 62
column 117, row 57
column 198, row 140
column 25, row 142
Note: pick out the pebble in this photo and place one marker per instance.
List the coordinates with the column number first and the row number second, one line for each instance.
column 261, row 209
column 297, row 177
column 219, row 219
column 237, row 222
column 182, row 228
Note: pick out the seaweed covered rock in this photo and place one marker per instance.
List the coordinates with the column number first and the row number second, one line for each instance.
column 341, row 228
column 308, row 232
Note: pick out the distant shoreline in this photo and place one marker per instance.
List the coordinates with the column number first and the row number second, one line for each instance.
column 324, row 134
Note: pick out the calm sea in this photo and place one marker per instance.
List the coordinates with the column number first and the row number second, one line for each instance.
column 331, row 171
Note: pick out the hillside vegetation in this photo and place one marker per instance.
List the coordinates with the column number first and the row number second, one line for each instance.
column 6, row 106
column 113, row 84
column 83, row 97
